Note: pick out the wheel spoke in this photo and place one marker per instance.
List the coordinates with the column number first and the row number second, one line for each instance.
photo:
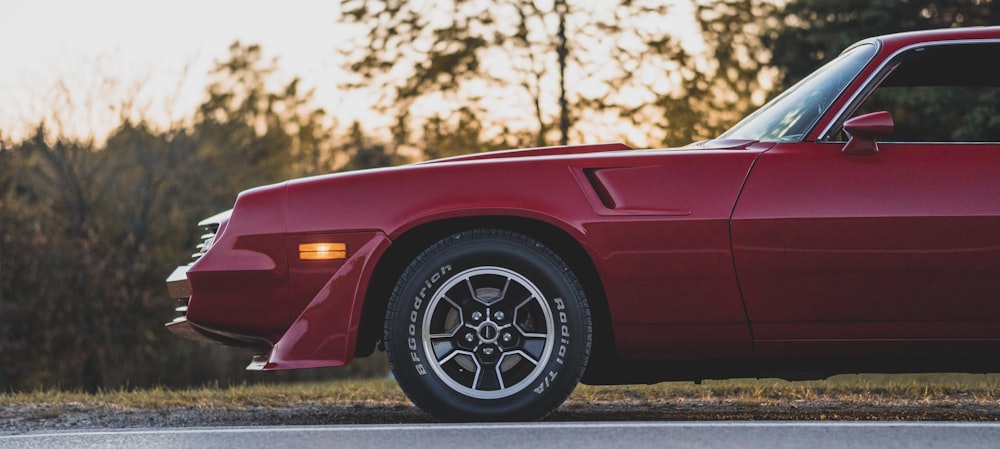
column 524, row 301
column 464, row 359
column 534, row 346
column 453, row 304
column 445, row 319
column 442, row 346
column 489, row 379
column 472, row 290
column 506, row 285
column 524, row 358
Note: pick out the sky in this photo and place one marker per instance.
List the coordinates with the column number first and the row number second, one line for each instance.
column 73, row 63
column 162, row 51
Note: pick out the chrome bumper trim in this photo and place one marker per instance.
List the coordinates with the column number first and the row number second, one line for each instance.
column 178, row 284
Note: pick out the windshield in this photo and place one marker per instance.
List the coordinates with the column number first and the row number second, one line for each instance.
column 793, row 113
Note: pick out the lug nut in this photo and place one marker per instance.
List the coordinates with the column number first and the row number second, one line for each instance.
column 507, row 337
column 488, row 350
column 498, row 316
column 469, row 337
column 476, row 316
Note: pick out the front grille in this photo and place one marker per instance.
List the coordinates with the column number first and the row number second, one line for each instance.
column 178, row 284
column 211, row 225
column 183, row 310
column 207, row 239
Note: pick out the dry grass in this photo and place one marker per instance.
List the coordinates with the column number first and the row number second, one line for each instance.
column 868, row 389
column 264, row 395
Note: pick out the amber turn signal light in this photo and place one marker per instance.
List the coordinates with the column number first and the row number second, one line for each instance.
column 322, row 251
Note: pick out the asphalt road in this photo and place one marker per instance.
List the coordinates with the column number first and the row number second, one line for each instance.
column 750, row 435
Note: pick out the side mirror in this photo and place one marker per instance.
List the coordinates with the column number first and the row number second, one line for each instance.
column 864, row 129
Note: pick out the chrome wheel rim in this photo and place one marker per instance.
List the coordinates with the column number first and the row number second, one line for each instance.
column 488, row 332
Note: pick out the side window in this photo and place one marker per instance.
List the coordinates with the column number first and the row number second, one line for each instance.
column 947, row 93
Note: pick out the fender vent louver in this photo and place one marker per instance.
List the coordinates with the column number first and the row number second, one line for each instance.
column 599, row 189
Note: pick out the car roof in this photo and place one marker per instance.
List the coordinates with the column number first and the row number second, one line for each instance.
column 900, row 40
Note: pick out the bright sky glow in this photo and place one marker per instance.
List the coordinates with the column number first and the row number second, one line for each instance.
column 72, row 63
column 160, row 50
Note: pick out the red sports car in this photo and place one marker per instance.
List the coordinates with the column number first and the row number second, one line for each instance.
column 850, row 225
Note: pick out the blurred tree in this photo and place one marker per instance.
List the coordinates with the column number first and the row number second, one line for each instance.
column 758, row 48
column 249, row 133
column 735, row 77
column 815, row 31
column 6, row 187
column 457, row 132
column 362, row 152
column 48, row 223
column 88, row 232
column 561, row 60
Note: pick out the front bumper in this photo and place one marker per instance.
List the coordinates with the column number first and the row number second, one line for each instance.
column 180, row 289
column 249, row 287
column 178, row 285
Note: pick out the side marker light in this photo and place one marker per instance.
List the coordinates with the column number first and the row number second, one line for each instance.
column 322, row 251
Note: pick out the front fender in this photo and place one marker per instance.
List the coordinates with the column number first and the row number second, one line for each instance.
column 325, row 333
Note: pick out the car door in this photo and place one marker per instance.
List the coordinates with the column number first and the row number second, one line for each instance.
column 889, row 252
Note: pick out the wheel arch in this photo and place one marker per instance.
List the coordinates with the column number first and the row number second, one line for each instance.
column 411, row 242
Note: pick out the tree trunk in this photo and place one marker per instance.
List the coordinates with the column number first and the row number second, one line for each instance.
column 562, row 51
column 3, row 376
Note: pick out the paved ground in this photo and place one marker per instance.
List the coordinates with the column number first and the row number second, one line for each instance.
column 22, row 419
column 695, row 435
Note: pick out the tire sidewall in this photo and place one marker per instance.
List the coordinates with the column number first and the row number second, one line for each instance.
column 453, row 256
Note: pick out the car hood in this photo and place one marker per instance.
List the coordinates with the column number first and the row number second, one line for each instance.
column 718, row 144
column 535, row 152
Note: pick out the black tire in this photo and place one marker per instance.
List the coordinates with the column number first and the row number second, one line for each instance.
column 488, row 325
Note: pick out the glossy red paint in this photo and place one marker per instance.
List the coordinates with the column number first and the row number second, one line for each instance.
column 627, row 243
column 756, row 255
column 249, row 256
column 864, row 130
column 899, row 245
column 326, row 331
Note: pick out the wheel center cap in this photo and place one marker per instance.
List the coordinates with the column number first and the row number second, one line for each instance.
column 488, row 332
